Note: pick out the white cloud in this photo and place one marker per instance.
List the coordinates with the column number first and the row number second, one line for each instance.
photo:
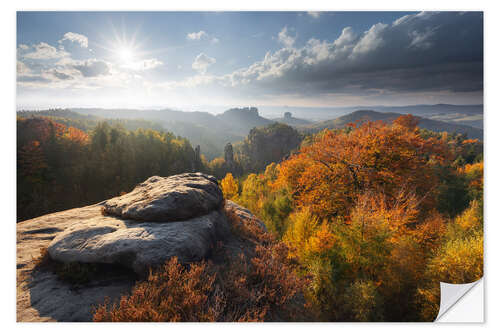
column 202, row 62
column 197, row 35
column 92, row 67
column 347, row 37
column 144, row 65
column 286, row 39
column 23, row 47
column 76, row 38
column 45, row 51
column 202, row 35
column 371, row 39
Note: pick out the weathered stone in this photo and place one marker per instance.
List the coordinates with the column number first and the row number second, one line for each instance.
column 138, row 245
column 86, row 235
column 244, row 213
column 163, row 199
column 41, row 295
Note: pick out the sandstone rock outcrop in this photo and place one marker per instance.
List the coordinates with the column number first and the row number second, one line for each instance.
column 109, row 240
column 163, row 199
column 161, row 218
column 89, row 236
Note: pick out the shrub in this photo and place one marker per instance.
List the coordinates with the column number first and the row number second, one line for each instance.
column 242, row 287
column 172, row 293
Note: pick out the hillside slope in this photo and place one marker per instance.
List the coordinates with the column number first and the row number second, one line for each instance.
column 370, row 115
column 211, row 132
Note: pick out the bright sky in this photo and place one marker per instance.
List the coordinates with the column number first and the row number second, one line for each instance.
column 192, row 60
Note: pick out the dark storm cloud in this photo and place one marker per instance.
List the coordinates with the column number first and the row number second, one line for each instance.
column 92, row 68
column 422, row 52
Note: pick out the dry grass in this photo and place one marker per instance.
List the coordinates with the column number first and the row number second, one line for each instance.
column 172, row 293
column 260, row 287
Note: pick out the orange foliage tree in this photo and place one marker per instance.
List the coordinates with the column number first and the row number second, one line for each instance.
column 328, row 174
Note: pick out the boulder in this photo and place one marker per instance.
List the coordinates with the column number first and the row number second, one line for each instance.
column 87, row 235
column 110, row 240
column 161, row 218
column 163, row 199
column 244, row 214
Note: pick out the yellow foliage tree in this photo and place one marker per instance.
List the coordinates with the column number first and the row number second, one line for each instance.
column 229, row 186
column 458, row 260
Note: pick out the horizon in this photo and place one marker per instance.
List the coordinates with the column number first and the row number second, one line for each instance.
column 228, row 107
column 196, row 60
column 270, row 112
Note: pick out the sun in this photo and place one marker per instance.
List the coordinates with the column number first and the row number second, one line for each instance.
column 124, row 50
column 126, row 55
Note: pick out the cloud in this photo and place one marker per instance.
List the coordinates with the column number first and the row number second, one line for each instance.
column 286, row 39
column 45, row 51
column 76, row 38
column 424, row 55
column 346, row 38
column 421, row 39
column 144, row 65
column 420, row 52
column 197, row 35
column 314, row 14
column 92, row 68
column 202, row 35
column 202, row 62
column 60, row 75
column 371, row 39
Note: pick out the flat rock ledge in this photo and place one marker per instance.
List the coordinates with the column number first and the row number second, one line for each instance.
column 123, row 237
column 138, row 246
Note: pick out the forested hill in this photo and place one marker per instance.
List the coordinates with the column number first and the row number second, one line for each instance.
column 61, row 167
column 88, row 122
column 212, row 132
column 388, row 117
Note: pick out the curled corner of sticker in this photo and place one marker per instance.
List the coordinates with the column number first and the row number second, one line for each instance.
column 451, row 294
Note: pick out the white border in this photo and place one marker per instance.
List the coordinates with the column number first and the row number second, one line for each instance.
column 492, row 132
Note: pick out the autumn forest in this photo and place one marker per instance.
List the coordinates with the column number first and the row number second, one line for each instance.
column 367, row 219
